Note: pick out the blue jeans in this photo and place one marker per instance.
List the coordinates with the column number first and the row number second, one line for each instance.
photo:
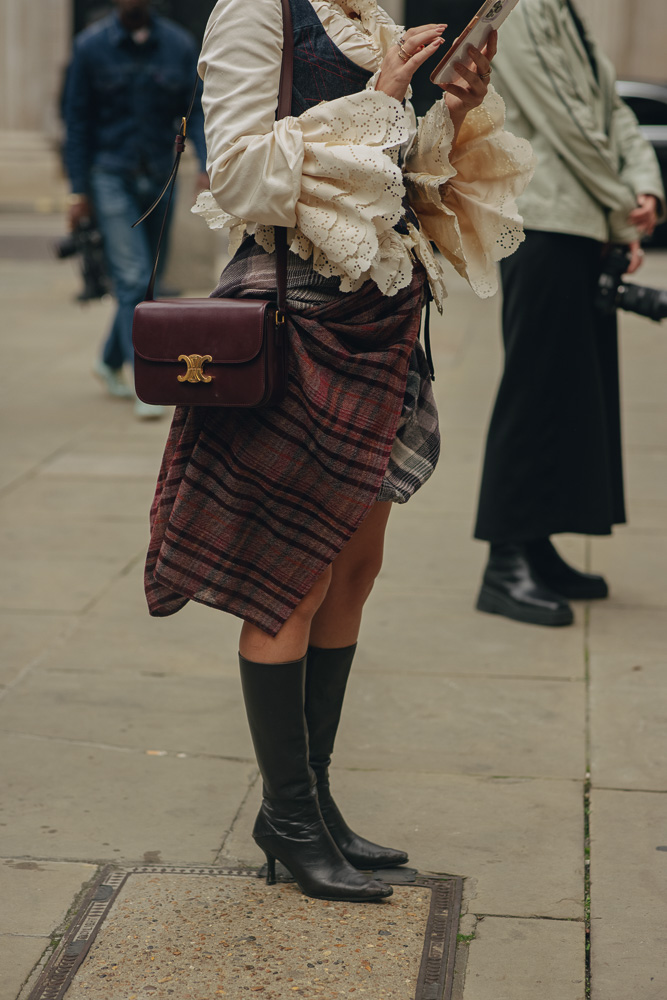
column 119, row 201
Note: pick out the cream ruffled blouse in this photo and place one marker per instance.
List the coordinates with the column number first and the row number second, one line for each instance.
column 331, row 176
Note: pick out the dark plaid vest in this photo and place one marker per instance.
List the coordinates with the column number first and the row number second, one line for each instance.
column 321, row 71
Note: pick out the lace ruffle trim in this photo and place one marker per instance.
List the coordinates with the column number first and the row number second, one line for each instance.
column 351, row 194
column 465, row 195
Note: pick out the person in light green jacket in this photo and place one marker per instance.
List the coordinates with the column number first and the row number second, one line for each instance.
column 553, row 458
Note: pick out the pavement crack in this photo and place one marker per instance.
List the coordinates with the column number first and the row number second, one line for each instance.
column 251, row 786
column 91, row 744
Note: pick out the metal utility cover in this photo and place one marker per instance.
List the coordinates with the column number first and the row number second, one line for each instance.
column 205, row 933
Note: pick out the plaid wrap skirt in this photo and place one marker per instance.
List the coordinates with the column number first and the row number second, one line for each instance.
column 251, row 506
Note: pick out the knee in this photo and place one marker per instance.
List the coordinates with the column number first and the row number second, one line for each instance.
column 313, row 600
column 357, row 578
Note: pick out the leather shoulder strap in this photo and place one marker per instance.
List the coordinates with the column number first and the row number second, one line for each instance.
column 284, row 108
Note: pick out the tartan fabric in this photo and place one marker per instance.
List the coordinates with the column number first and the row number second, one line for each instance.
column 252, row 505
column 416, row 448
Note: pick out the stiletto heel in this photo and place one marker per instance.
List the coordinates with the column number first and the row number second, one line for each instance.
column 270, row 870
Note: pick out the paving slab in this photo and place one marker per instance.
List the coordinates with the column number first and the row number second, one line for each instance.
column 644, row 429
column 443, row 634
column 526, row 960
column 647, row 516
column 36, row 895
column 404, row 720
column 57, row 586
column 54, row 500
column 629, row 885
column 64, row 800
column 635, row 566
column 24, row 637
column 87, row 464
column 642, row 631
column 427, row 548
column 198, row 641
column 629, row 720
column 18, row 957
column 647, row 474
column 517, row 842
column 129, row 708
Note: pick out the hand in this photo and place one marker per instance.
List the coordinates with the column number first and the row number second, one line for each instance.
column 645, row 216
column 636, row 256
column 79, row 209
column 475, row 73
column 419, row 44
column 202, row 183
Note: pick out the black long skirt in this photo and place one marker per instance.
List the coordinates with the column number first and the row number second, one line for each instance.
column 553, row 458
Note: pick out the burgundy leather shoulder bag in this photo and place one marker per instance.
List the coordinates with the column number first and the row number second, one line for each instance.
column 215, row 352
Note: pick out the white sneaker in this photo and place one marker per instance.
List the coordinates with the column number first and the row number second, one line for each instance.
column 113, row 380
column 147, row 411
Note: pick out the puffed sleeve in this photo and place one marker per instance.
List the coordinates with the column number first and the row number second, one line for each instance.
column 327, row 175
column 464, row 193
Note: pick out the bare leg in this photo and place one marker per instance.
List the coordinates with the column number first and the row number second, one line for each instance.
column 336, row 623
column 291, row 643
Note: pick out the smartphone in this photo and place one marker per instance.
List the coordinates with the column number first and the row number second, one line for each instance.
column 469, row 25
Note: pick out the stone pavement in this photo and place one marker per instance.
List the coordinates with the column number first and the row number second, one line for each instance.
column 467, row 739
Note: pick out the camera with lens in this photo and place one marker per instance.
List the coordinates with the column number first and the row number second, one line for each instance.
column 86, row 242
column 614, row 293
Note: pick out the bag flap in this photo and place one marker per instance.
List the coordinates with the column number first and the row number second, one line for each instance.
column 230, row 330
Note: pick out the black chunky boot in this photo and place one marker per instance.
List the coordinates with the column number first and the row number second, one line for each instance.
column 511, row 588
column 289, row 824
column 327, row 672
column 550, row 566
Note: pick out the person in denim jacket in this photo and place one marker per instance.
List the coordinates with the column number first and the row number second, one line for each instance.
column 128, row 85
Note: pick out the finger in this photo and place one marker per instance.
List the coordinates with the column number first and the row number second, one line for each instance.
column 413, row 42
column 640, row 217
column 470, row 77
column 420, row 57
column 463, row 95
column 479, row 60
column 636, row 256
column 491, row 47
column 424, row 27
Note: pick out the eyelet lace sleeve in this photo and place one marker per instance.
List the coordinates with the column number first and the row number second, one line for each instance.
column 465, row 194
column 351, row 193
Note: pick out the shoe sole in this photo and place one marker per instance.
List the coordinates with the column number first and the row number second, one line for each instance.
column 571, row 594
column 495, row 603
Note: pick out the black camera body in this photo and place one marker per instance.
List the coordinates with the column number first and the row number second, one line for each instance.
column 613, row 293
column 86, row 242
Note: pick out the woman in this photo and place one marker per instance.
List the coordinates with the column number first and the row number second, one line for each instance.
column 278, row 516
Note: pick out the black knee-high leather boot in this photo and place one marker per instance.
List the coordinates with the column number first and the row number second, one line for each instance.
column 327, row 672
column 289, row 824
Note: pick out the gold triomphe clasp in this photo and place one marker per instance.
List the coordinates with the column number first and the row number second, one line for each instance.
column 194, row 372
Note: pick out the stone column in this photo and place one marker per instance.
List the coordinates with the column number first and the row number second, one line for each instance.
column 632, row 33
column 34, row 49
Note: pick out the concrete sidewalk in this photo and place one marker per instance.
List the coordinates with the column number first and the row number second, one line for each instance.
column 467, row 739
